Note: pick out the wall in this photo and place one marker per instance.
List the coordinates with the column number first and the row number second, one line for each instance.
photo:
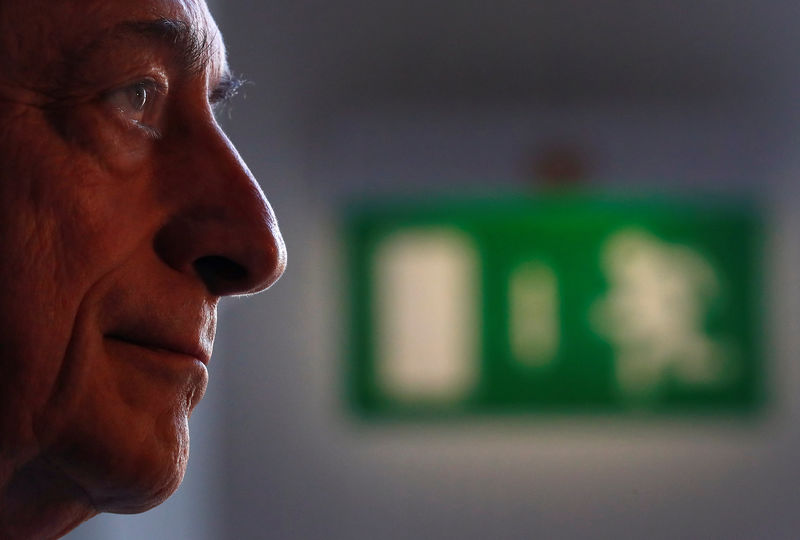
column 361, row 98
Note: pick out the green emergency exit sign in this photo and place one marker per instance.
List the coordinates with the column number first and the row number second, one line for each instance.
column 558, row 304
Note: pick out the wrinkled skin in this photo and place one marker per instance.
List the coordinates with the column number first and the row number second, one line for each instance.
column 125, row 214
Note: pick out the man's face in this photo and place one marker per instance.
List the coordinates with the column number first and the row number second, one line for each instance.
column 125, row 214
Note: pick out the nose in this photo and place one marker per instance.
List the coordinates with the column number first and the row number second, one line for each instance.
column 222, row 229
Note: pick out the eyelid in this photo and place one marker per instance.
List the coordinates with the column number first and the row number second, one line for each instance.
column 159, row 86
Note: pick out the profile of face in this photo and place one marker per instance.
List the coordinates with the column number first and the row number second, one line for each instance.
column 125, row 215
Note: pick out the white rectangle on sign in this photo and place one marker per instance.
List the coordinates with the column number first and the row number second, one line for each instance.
column 427, row 327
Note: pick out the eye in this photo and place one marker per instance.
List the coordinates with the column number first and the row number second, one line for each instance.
column 137, row 102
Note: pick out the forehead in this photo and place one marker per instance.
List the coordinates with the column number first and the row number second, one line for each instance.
column 42, row 32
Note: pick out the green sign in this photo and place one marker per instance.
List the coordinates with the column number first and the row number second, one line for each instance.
column 556, row 304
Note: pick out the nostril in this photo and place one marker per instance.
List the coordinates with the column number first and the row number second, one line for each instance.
column 220, row 273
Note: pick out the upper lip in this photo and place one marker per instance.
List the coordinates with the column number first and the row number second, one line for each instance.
column 159, row 337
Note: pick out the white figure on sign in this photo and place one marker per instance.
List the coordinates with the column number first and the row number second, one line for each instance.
column 654, row 313
column 533, row 303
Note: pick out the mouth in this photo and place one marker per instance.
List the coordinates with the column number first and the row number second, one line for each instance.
column 163, row 345
column 168, row 333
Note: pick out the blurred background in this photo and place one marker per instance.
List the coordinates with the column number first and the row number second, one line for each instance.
column 357, row 98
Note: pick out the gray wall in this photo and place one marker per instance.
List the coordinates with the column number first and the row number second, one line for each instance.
column 359, row 97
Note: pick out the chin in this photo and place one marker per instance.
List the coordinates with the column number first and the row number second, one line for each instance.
column 129, row 466
column 145, row 468
column 151, row 479
column 143, row 493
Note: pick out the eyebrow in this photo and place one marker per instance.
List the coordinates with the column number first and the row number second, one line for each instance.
column 191, row 48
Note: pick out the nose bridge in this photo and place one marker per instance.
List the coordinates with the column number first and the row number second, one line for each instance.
column 222, row 229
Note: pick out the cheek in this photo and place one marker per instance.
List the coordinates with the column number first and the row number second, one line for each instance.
column 67, row 218
column 88, row 193
column 119, row 148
